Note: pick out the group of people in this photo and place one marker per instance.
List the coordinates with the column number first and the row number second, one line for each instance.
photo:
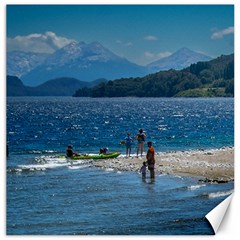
column 150, row 163
column 70, row 153
column 140, row 137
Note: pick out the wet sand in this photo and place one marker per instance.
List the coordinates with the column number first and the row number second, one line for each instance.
column 215, row 165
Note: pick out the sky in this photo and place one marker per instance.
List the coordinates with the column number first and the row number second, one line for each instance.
column 140, row 33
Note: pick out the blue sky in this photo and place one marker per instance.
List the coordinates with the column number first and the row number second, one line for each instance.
column 140, row 33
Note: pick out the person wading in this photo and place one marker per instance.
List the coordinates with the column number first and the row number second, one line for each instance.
column 151, row 159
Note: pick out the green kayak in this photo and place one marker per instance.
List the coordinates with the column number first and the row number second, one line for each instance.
column 96, row 156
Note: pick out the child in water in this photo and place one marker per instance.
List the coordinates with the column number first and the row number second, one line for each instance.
column 143, row 170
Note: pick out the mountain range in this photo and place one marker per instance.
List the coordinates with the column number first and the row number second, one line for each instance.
column 183, row 58
column 20, row 63
column 88, row 62
column 209, row 78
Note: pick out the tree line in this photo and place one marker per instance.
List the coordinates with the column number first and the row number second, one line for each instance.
column 202, row 79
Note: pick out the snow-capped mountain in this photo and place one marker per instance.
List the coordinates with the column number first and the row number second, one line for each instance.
column 83, row 61
column 183, row 58
column 20, row 63
column 89, row 62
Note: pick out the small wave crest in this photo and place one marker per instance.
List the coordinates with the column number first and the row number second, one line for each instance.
column 44, row 163
column 78, row 167
column 220, row 194
column 41, row 151
column 194, row 187
column 109, row 169
column 26, row 168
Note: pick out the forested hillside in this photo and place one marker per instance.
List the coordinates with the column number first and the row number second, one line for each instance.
column 55, row 87
column 213, row 78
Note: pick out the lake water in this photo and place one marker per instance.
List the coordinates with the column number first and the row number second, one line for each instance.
column 47, row 196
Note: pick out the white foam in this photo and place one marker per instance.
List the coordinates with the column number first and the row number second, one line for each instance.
column 78, row 167
column 177, row 176
column 41, row 167
column 50, row 162
column 194, row 187
column 109, row 170
column 220, row 194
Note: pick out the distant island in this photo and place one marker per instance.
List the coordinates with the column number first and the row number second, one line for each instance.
column 214, row 78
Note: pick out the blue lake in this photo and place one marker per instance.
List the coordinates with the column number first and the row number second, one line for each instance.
column 46, row 196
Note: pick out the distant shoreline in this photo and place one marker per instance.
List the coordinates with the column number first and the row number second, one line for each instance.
column 213, row 165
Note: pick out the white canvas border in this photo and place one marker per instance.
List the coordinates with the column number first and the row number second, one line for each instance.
column 229, row 229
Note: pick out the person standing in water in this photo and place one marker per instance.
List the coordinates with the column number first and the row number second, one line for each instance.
column 151, row 160
column 141, row 138
column 128, row 143
column 143, row 170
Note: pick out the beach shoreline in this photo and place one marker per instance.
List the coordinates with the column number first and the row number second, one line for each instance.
column 213, row 165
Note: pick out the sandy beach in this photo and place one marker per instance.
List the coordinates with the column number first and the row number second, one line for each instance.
column 215, row 165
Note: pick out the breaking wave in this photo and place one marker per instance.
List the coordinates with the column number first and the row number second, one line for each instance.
column 220, row 194
column 44, row 163
column 194, row 187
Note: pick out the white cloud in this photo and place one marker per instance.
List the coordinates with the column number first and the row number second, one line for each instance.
column 150, row 38
column 124, row 44
column 149, row 55
column 48, row 42
column 163, row 54
column 220, row 34
column 156, row 56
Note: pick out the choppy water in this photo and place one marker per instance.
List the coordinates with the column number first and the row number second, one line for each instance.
column 46, row 195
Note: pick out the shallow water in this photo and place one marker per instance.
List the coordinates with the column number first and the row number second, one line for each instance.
column 46, row 195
